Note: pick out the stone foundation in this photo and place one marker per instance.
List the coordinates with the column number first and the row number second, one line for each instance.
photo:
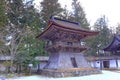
column 70, row 72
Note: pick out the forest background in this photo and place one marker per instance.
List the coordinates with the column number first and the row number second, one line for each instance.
column 21, row 22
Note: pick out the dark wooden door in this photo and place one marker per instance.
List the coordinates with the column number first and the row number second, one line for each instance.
column 106, row 64
column 73, row 61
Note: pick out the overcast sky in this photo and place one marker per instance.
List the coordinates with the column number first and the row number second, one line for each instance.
column 96, row 8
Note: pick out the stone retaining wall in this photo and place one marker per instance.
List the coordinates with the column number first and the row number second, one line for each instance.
column 69, row 73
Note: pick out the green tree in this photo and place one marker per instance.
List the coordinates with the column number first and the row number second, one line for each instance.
column 66, row 14
column 3, row 22
column 118, row 29
column 24, row 24
column 49, row 8
column 103, row 39
column 20, row 23
column 15, row 28
column 3, row 16
column 78, row 14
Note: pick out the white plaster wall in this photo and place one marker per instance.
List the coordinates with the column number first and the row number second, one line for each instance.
column 91, row 64
column 112, row 64
column 118, row 63
column 97, row 64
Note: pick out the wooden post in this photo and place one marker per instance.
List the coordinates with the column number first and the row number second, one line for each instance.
column 116, row 63
column 94, row 65
column 101, row 64
column 38, row 70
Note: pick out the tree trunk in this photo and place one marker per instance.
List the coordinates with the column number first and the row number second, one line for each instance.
column 16, row 69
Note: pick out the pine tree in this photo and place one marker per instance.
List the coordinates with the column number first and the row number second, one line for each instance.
column 3, row 16
column 23, row 26
column 66, row 14
column 50, row 8
column 3, row 23
column 103, row 39
column 118, row 29
column 79, row 14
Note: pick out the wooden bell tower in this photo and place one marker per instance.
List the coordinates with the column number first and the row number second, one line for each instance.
column 66, row 49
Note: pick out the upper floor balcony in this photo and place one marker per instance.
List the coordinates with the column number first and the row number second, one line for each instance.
column 67, row 46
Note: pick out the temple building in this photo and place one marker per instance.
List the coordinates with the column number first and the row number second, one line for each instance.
column 65, row 46
column 114, row 46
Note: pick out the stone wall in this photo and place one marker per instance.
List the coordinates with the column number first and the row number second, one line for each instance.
column 69, row 72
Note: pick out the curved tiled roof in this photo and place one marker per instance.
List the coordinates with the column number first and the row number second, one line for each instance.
column 114, row 45
column 66, row 26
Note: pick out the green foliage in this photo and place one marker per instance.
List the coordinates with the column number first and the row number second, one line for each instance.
column 49, row 8
column 25, row 23
column 3, row 16
column 66, row 14
column 78, row 14
column 7, row 63
column 15, row 11
column 102, row 39
column 25, row 58
column 105, row 32
column 118, row 29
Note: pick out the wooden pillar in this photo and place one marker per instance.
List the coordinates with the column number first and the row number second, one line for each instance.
column 38, row 70
column 116, row 63
column 101, row 64
column 94, row 65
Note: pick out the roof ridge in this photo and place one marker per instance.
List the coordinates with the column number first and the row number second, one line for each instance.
column 55, row 18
